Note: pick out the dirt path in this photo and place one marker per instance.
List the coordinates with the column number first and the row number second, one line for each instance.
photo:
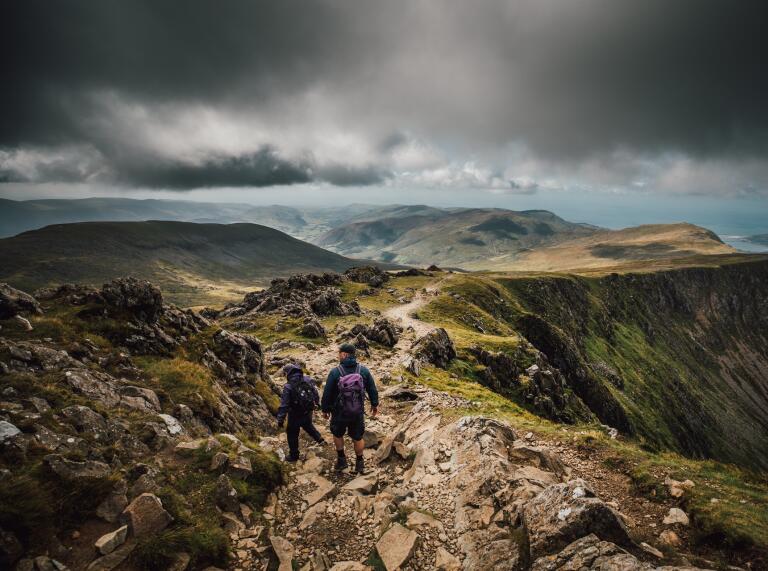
column 403, row 314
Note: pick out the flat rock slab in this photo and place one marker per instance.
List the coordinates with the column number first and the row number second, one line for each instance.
column 109, row 562
column 397, row 546
column 362, row 484
column 324, row 487
column 108, row 542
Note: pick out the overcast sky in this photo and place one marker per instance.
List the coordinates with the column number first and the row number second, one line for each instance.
column 386, row 100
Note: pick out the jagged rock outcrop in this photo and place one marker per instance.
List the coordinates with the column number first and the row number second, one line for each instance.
column 302, row 295
column 435, row 348
column 15, row 302
column 381, row 331
column 139, row 298
column 371, row 275
column 238, row 355
column 565, row 512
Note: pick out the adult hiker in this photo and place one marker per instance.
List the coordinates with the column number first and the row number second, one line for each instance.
column 344, row 403
column 299, row 399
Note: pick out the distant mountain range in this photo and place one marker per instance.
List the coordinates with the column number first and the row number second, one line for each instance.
column 192, row 262
column 419, row 235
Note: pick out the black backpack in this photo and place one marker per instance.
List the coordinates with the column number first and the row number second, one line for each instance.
column 303, row 396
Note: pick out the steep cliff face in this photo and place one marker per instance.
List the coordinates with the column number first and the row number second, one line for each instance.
column 679, row 358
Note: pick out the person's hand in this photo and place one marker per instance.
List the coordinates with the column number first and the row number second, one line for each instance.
column 374, row 411
column 326, row 415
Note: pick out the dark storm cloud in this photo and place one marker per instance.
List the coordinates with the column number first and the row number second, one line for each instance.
column 567, row 80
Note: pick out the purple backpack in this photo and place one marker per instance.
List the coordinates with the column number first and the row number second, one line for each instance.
column 351, row 393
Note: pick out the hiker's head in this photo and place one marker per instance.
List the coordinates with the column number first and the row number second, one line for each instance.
column 346, row 350
column 291, row 370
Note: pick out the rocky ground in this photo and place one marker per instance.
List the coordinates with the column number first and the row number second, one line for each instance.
column 164, row 471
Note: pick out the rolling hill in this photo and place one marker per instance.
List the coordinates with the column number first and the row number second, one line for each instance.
column 193, row 263
column 464, row 238
column 503, row 240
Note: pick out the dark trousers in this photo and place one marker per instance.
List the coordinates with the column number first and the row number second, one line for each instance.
column 295, row 424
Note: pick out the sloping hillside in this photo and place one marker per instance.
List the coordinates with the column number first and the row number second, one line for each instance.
column 184, row 257
column 466, row 238
column 677, row 357
column 609, row 248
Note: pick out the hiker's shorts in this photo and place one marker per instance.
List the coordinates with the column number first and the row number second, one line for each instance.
column 354, row 426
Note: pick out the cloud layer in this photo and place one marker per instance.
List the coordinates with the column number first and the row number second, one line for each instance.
column 508, row 96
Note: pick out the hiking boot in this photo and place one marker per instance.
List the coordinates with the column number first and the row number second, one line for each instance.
column 292, row 458
column 341, row 463
column 321, row 442
column 359, row 465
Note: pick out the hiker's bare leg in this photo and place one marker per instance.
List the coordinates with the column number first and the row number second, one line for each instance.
column 339, row 442
column 359, row 446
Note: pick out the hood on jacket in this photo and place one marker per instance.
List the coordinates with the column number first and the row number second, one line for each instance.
column 349, row 362
column 293, row 372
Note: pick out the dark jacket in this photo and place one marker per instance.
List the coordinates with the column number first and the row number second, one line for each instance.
column 331, row 391
column 295, row 374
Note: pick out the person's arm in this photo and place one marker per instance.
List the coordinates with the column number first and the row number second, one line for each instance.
column 329, row 392
column 285, row 403
column 370, row 388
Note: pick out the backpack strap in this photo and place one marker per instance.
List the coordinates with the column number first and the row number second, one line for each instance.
column 357, row 370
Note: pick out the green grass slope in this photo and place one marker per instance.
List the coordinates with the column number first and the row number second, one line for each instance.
column 676, row 357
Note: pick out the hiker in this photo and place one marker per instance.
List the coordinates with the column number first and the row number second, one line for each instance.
column 299, row 399
column 344, row 403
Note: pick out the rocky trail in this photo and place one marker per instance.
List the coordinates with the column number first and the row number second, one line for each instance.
column 449, row 494
column 445, row 487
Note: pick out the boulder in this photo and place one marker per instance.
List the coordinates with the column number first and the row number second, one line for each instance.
column 435, row 348
column 493, row 548
column 240, row 468
column 15, row 302
column 565, row 512
column 139, row 398
column 225, row 495
column 114, row 504
column 382, row 331
column 284, row 551
column 84, row 419
column 678, row 489
column 676, row 516
column 71, row 470
column 446, row 561
column 397, row 546
column 590, row 553
column 108, row 542
column 7, row 430
column 172, row 424
column 670, row 538
column 139, row 298
column 145, row 515
column 312, row 328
